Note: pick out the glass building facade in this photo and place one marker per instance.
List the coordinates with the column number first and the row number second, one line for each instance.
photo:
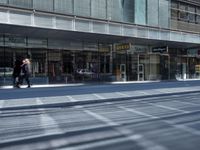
column 144, row 12
column 71, row 41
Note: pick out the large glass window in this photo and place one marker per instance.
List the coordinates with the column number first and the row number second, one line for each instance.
column 1, row 63
column 198, row 10
column 39, row 63
column 191, row 17
column 46, row 5
column 115, row 10
column 152, row 12
column 174, row 14
column 198, row 19
column 82, row 7
column 183, row 7
column 63, row 6
column 174, row 5
column 3, row 1
column 128, row 7
column 164, row 13
column 98, row 9
column 183, row 16
column 140, row 12
column 21, row 3
column 191, row 8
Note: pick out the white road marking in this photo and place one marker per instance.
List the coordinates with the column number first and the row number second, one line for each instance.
column 182, row 127
column 71, row 99
column 99, row 96
column 187, row 103
column 138, row 112
column 147, row 144
column 1, row 104
column 145, row 93
column 50, row 125
column 122, row 94
column 167, row 107
column 102, row 118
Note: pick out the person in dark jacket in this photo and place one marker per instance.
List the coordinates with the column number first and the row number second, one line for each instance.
column 16, row 73
column 25, row 72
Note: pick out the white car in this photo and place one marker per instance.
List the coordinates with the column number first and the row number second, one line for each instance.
column 7, row 71
column 84, row 72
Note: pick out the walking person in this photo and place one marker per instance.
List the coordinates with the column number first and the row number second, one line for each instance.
column 25, row 72
column 16, row 73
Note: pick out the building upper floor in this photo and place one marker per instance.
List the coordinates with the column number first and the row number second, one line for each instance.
column 185, row 15
column 148, row 19
column 143, row 12
column 173, row 14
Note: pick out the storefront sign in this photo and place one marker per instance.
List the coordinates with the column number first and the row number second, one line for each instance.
column 123, row 47
column 15, row 41
column 104, row 49
column 37, row 43
column 159, row 49
column 193, row 52
column 140, row 49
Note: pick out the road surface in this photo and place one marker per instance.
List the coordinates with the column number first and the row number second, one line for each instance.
column 170, row 122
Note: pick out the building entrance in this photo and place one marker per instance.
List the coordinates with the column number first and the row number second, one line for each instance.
column 159, row 67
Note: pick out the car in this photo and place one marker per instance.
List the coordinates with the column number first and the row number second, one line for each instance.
column 86, row 72
column 7, row 71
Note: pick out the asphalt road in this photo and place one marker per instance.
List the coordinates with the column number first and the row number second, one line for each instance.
column 158, row 123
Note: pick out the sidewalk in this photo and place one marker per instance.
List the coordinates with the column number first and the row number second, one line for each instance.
column 97, row 94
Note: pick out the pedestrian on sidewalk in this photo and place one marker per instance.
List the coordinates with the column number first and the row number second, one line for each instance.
column 25, row 72
column 16, row 73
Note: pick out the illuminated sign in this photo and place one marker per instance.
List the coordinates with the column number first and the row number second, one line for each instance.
column 104, row 49
column 122, row 47
column 159, row 49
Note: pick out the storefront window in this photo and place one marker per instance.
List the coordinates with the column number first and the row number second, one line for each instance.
column 2, row 64
column 55, row 66
column 8, row 63
column 38, row 59
column 86, row 66
column 68, row 58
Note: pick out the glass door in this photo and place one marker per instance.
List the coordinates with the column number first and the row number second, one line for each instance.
column 164, row 67
column 120, row 66
column 55, row 67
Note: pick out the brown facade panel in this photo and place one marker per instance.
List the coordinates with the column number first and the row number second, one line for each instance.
column 185, row 26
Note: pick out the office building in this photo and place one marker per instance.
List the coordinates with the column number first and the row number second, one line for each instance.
column 72, row 41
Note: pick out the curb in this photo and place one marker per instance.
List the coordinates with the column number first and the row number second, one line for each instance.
column 86, row 102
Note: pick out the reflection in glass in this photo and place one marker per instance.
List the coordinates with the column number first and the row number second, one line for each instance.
column 140, row 12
